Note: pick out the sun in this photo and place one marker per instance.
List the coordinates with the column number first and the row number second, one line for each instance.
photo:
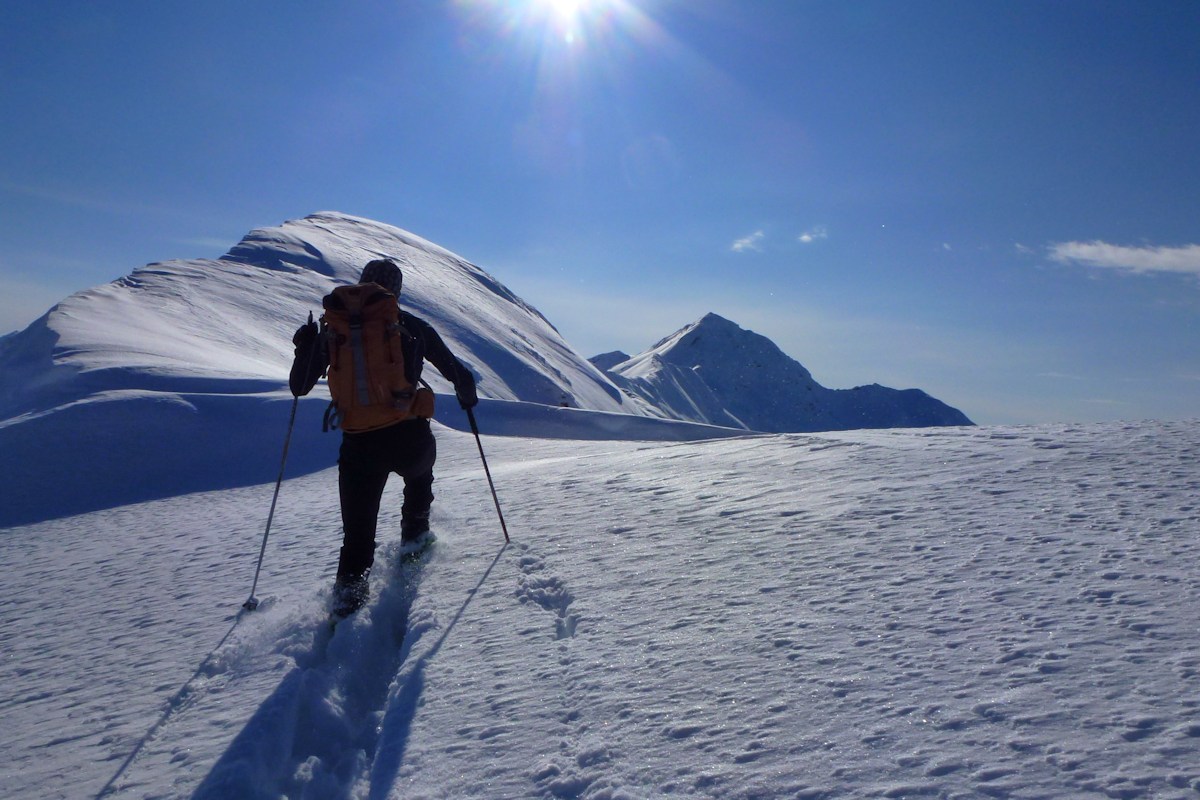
column 566, row 8
column 555, row 39
column 575, row 27
column 570, row 9
column 572, row 19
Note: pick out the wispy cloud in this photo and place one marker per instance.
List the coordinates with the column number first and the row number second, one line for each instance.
column 79, row 199
column 750, row 243
column 810, row 236
column 212, row 243
column 97, row 201
column 1139, row 260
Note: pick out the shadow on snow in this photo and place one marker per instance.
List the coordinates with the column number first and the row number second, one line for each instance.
column 343, row 715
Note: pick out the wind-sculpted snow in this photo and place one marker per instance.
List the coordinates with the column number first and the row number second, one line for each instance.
column 955, row 612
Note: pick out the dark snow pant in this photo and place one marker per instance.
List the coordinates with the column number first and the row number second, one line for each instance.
column 364, row 464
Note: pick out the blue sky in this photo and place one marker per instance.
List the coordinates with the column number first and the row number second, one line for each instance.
column 996, row 202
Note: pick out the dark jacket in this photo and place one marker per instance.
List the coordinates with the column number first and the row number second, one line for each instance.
column 421, row 343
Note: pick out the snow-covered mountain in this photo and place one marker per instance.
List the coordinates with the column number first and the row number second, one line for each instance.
column 173, row 378
column 122, row 383
column 715, row 372
column 227, row 323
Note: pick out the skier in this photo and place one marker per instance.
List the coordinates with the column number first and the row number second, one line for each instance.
column 405, row 445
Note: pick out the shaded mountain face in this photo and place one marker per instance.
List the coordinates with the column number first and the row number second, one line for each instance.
column 714, row 371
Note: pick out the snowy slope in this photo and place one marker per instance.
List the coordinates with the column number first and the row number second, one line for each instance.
column 515, row 351
column 956, row 612
column 181, row 324
column 120, row 384
column 715, row 372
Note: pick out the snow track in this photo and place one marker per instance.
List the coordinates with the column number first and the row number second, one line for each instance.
column 317, row 734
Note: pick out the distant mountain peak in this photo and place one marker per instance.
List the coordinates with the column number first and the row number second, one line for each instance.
column 606, row 361
column 712, row 319
column 728, row 352
column 710, row 323
column 717, row 372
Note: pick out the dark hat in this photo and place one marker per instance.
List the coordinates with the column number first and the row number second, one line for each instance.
column 384, row 272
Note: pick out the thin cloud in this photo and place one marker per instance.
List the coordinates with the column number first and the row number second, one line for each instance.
column 753, row 242
column 77, row 199
column 808, row 237
column 1061, row 376
column 1138, row 260
column 207, row 243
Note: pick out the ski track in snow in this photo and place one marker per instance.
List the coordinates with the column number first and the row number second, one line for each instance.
column 990, row 612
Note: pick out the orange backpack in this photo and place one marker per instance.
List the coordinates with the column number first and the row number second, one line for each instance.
column 367, row 379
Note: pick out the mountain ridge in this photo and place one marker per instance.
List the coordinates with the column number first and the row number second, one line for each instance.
column 715, row 372
column 231, row 319
column 173, row 378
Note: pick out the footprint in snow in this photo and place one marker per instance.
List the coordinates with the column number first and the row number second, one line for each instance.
column 548, row 591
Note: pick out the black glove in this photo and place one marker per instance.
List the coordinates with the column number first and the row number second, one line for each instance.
column 305, row 335
column 465, row 391
column 310, row 361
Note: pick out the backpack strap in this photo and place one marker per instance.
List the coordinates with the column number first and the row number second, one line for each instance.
column 332, row 418
column 361, row 387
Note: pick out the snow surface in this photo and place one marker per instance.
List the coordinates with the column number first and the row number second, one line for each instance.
column 183, row 326
column 956, row 612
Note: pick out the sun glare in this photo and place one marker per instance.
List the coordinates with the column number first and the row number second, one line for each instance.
column 565, row 8
column 577, row 27
column 572, row 20
column 566, row 15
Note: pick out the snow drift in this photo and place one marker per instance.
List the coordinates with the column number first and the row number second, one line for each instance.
column 226, row 324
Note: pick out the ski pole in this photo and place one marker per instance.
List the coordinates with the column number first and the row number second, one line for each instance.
column 252, row 602
column 486, row 471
